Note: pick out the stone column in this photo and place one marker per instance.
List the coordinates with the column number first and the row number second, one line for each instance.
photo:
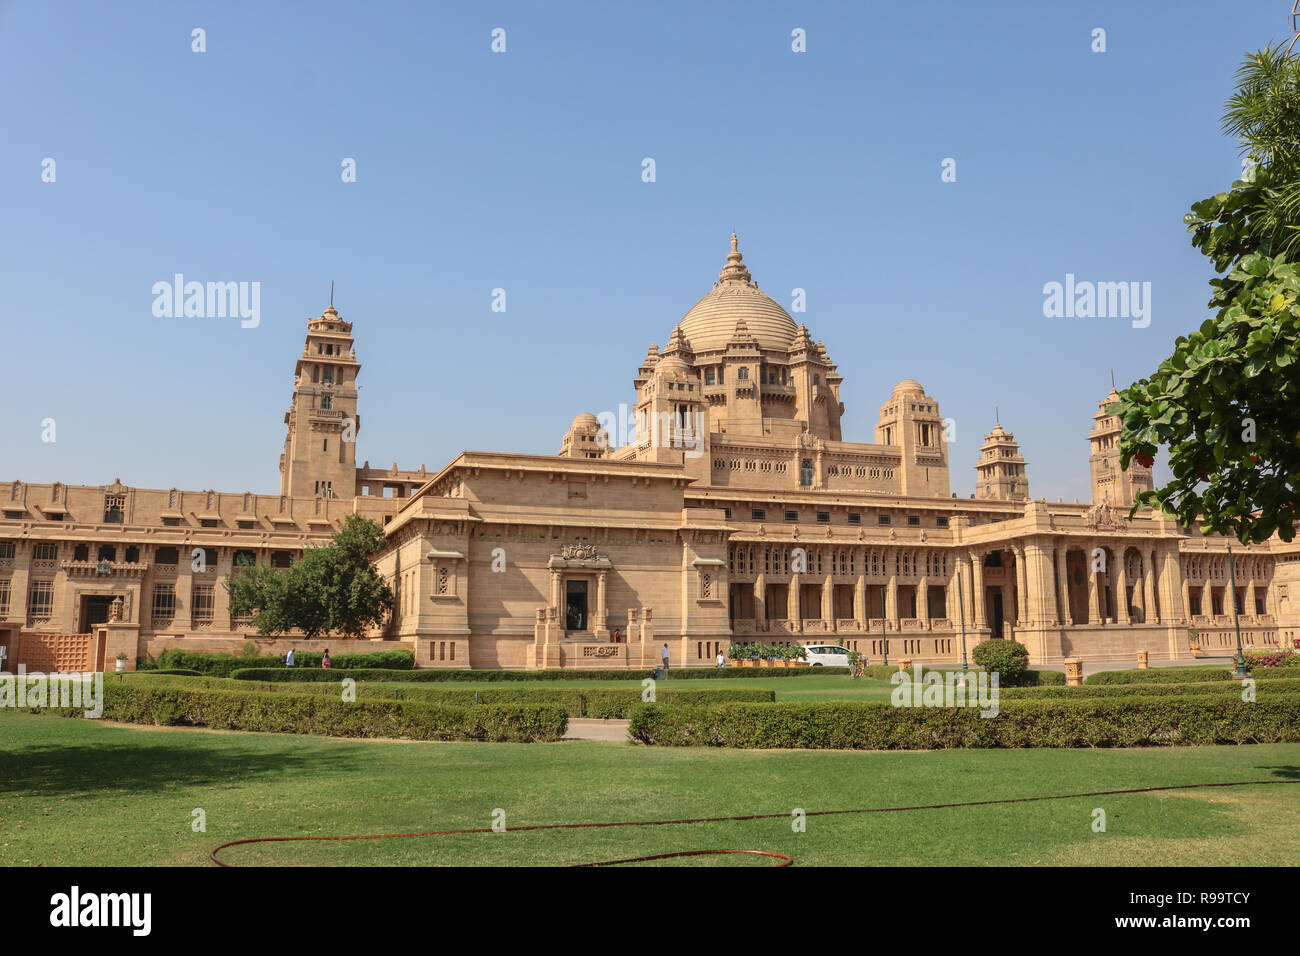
column 792, row 603
column 1094, row 589
column 555, row 588
column 760, row 601
column 828, row 600
column 1207, row 600
column 923, row 602
column 860, row 597
column 599, row 622
column 977, row 589
column 1151, row 611
column 1022, row 586
column 1064, row 616
column 220, row 596
column 1121, row 587
column 19, row 586
column 891, row 595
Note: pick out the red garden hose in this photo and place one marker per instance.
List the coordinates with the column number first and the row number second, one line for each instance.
column 785, row 860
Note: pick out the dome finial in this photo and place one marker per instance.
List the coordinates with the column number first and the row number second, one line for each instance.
column 734, row 271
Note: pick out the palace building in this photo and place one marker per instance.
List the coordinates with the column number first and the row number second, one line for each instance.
column 739, row 512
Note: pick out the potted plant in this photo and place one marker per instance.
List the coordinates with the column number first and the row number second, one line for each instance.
column 795, row 655
column 121, row 661
column 1194, row 642
column 736, row 653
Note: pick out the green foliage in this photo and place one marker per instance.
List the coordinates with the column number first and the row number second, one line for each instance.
column 1008, row 659
column 224, row 665
column 1096, row 722
column 1287, row 683
column 332, row 590
column 1160, row 675
column 727, row 673
column 327, row 715
column 1226, row 403
column 374, row 674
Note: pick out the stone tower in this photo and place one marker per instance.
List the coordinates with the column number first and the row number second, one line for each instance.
column 1110, row 483
column 1000, row 470
column 320, row 447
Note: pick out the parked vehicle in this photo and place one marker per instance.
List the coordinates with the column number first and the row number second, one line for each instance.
column 827, row 655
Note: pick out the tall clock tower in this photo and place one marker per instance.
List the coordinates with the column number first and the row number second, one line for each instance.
column 320, row 447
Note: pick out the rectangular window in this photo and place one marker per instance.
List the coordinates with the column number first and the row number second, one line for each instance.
column 40, row 601
column 726, row 513
column 792, row 516
column 855, row 517
column 172, row 522
column 4, row 597
column 913, row 521
column 114, row 508
column 758, row 514
column 882, row 519
column 245, row 525
column 941, row 522
column 823, row 517
column 164, row 604
column 202, row 609
column 6, row 549
column 207, row 522
column 45, row 552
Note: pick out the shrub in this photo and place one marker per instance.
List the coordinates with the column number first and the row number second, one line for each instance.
column 1160, row 675
column 1272, row 659
column 1008, row 659
column 371, row 674
column 1097, row 722
column 324, row 715
column 711, row 673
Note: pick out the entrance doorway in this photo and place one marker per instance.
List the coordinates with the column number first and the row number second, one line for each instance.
column 996, row 619
column 94, row 610
column 575, row 606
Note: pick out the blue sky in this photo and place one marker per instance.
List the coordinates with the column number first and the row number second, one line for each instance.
column 522, row 171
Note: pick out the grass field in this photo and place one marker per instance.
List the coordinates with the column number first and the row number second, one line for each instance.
column 78, row 792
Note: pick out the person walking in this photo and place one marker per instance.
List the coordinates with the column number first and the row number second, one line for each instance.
column 722, row 661
column 288, row 658
column 325, row 660
column 665, row 657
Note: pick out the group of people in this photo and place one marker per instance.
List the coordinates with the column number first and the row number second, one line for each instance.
column 324, row 661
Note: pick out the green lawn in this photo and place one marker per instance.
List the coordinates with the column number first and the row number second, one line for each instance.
column 82, row 792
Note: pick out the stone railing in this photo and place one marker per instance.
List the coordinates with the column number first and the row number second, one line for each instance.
column 848, row 624
column 744, row 625
column 777, row 626
column 911, row 624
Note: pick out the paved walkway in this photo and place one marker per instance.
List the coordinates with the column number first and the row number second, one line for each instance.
column 589, row 728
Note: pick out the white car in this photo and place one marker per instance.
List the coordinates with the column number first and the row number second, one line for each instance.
column 826, row 655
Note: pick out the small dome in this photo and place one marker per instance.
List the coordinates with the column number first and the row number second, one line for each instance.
column 909, row 386
column 585, row 420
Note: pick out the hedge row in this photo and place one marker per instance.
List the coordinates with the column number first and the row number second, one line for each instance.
column 1097, row 722
column 1279, row 684
column 606, row 704
column 222, row 665
column 1160, row 675
column 731, row 670
column 1031, row 678
column 435, row 676
column 326, row 716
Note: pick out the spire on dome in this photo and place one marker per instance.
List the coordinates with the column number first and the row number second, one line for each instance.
column 734, row 270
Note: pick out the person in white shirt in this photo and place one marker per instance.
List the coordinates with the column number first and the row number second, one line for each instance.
column 722, row 661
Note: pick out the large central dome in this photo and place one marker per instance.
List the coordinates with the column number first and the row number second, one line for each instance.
column 712, row 321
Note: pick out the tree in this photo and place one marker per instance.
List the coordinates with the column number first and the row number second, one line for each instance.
column 1226, row 403
column 333, row 589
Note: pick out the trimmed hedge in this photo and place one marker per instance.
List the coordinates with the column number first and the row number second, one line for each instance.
column 1160, row 675
column 373, row 674
column 606, row 704
column 1150, row 689
column 325, row 716
column 731, row 670
column 1097, row 722
column 223, row 665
